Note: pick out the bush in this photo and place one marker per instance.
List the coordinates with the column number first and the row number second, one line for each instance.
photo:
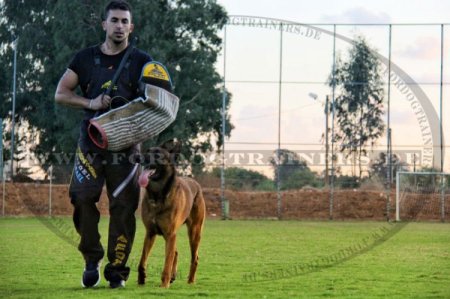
column 300, row 179
column 347, row 182
column 266, row 185
column 243, row 179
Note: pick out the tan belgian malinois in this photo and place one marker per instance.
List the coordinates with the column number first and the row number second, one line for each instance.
column 168, row 201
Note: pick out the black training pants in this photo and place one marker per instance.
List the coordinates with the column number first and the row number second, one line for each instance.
column 93, row 167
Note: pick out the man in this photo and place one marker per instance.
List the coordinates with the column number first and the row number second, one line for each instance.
column 93, row 69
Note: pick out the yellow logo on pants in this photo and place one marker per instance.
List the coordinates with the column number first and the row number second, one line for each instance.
column 120, row 250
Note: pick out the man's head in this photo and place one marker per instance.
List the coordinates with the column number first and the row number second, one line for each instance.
column 117, row 21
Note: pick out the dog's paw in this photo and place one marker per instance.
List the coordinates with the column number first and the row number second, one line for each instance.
column 141, row 277
column 174, row 276
column 141, row 281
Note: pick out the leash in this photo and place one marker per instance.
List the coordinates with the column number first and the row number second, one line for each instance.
column 125, row 182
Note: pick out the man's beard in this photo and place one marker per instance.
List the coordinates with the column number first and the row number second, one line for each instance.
column 118, row 41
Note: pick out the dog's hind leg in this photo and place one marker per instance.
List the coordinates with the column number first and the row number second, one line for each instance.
column 148, row 244
column 195, row 227
column 194, row 232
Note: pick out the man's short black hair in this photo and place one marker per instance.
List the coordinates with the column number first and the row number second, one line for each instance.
column 116, row 4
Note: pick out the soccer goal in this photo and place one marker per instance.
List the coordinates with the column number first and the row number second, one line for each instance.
column 422, row 196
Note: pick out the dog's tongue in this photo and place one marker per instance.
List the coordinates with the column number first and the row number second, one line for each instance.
column 143, row 178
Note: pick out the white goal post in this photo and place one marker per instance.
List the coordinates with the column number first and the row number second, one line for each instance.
column 422, row 195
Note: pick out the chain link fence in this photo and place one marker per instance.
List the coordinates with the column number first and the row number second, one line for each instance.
column 283, row 160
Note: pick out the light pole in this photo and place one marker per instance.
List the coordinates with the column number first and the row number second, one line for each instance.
column 326, row 111
column 13, row 112
column 326, row 141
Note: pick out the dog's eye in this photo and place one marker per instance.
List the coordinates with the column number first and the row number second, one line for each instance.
column 153, row 158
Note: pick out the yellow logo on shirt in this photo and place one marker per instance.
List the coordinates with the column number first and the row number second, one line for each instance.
column 107, row 84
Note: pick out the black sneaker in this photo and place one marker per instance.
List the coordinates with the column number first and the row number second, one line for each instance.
column 117, row 284
column 116, row 275
column 91, row 275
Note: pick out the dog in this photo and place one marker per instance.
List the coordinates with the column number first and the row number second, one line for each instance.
column 169, row 201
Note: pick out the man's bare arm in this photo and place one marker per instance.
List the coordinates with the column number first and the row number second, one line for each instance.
column 65, row 94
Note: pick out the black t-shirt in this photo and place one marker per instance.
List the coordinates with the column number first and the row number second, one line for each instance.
column 83, row 64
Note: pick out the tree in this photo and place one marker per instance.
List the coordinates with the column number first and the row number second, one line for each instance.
column 292, row 171
column 181, row 34
column 243, row 179
column 379, row 167
column 359, row 104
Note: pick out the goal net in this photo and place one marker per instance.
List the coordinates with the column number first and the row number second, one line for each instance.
column 422, row 196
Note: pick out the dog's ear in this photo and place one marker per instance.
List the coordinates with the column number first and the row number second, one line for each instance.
column 173, row 146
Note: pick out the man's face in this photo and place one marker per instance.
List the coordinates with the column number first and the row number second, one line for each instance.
column 118, row 25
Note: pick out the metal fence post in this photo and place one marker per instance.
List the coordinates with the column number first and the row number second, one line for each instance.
column 50, row 170
column 441, row 132
column 397, row 197
column 4, row 194
column 442, row 197
column 1, row 167
column 279, row 123
column 389, row 173
column 223, row 200
column 333, row 114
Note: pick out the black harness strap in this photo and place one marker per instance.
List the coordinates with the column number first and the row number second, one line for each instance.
column 121, row 66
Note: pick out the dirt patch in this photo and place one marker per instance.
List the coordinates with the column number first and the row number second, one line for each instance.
column 33, row 199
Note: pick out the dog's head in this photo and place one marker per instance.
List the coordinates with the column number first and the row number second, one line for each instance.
column 159, row 163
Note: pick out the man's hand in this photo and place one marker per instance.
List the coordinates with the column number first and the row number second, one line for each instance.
column 101, row 102
column 65, row 94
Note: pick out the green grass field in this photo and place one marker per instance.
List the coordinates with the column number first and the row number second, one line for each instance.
column 243, row 259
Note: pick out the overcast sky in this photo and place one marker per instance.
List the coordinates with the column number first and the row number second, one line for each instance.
column 344, row 11
column 252, row 54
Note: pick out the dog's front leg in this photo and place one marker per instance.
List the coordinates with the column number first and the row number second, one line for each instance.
column 142, row 269
column 168, row 264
